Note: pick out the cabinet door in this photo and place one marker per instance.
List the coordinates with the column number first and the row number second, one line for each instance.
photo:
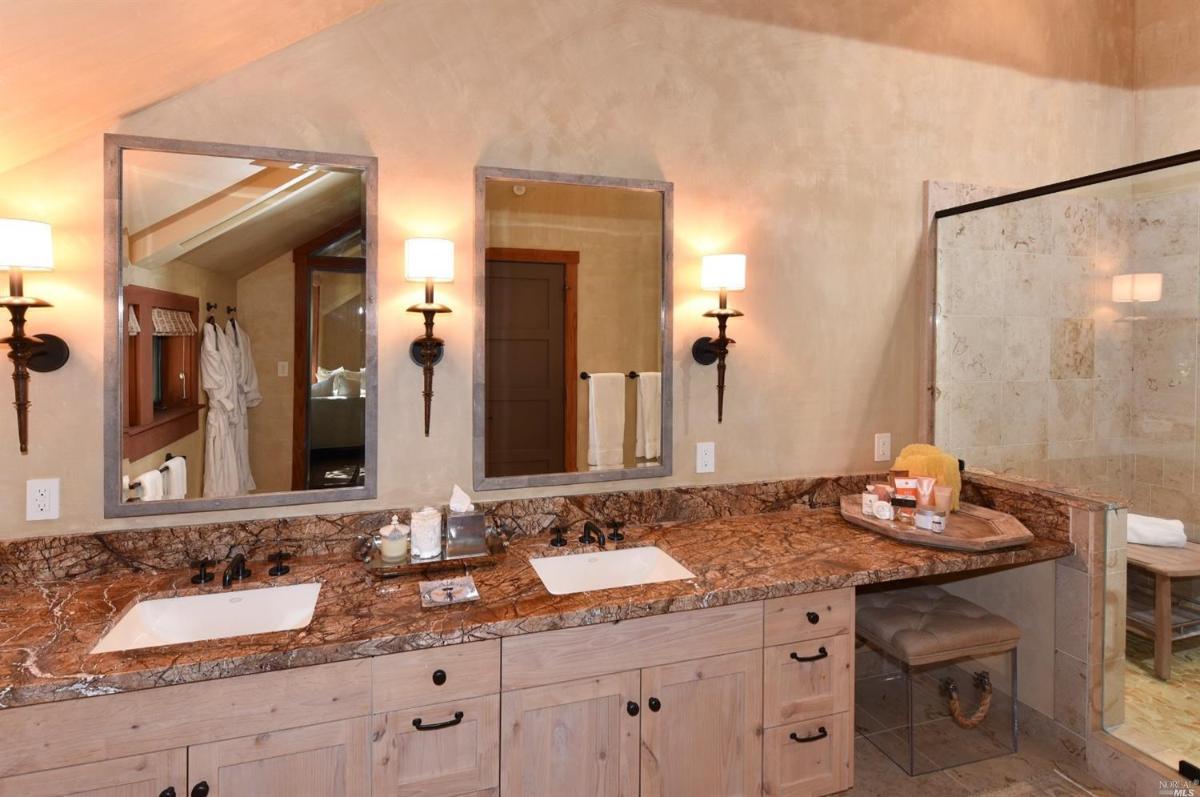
column 149, row 775
column 702, row 728
column 437, row 751
column 575, row 738
column 328, row 759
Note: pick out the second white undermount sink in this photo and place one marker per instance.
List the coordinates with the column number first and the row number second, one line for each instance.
column 217, row 615
column 626, row 567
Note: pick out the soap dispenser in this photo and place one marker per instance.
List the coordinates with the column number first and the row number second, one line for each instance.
column 393, row 541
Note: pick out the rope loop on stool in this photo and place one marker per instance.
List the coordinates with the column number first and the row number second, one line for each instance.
column 983, row 683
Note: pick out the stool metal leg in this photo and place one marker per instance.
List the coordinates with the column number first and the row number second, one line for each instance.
column 1015, row 702
column 912, row 741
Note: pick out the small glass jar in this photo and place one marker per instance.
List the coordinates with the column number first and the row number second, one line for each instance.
column 905, row 509
column 393, row 542
column 931, row 520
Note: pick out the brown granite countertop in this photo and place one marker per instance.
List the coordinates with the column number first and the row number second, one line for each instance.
column 47, row 629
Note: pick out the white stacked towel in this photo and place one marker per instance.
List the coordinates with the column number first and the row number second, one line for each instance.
column 151, row 485
column 649, row 415
column 1156, row 531
column 175, row 479
column 606, row 421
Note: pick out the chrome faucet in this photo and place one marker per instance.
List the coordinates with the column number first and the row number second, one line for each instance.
column 590, row 528
column 236, row 570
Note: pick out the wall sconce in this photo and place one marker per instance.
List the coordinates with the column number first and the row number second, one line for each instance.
column 26, row 246
column 722, row 273
column 1136, row 288
column 431, row 260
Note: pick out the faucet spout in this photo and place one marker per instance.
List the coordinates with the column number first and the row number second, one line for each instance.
column 236, row 570
column 590, row 529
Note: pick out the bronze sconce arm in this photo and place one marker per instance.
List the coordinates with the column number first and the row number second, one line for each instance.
column 26, row 245
column 428, row 350
column 707, row 350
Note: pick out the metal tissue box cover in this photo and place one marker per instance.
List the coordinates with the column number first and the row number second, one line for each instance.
column 465, row 534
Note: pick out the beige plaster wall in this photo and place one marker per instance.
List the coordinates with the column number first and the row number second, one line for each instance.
column 799, row 137
column 618, row 234
column 1167, row 77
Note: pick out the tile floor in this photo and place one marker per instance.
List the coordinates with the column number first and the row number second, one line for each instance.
column 1162, row 718
column 1040, row 769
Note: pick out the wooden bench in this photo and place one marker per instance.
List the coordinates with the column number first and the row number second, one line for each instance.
column 1165, row 623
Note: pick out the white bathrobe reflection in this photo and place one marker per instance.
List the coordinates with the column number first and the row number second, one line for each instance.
column 247, row 395
column 231, row 382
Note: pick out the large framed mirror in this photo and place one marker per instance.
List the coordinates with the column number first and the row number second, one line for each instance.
column 572, row 328
column 240, row 348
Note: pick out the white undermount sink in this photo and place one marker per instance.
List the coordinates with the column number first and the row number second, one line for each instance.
column 627, row 567
column 217, row 615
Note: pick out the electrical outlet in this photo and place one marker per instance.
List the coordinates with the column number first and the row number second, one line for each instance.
column 281, row 368
column 883, row 447
column 41, row 499
column 706, row 457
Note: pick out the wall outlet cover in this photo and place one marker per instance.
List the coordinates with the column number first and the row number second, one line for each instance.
column 41, row 499
column 706, row 457
column 883, row 447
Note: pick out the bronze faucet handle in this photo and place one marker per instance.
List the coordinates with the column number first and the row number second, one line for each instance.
column 615, row 527
column 560, row 539
column 202, row 577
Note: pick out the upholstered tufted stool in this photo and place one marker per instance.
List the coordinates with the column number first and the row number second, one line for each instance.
column 924, row 629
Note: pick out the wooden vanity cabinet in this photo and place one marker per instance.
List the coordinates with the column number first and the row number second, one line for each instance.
column 578, row 738
column 149, row 775
column 326, row 759
column 690, row 704
column 702, row 729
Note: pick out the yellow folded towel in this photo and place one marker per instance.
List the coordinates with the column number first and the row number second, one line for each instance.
column 925, row 460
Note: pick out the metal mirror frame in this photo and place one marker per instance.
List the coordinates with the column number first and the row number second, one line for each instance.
column 114, row 323
column 666, row 189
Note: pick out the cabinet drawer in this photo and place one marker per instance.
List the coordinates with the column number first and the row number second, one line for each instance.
column 810, row 758
column 807, row 679
column 571, row 653
column 436, row 675
column 437, row 751
column 817, row 614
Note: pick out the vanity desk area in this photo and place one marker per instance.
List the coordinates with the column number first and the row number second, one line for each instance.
column 663, row 688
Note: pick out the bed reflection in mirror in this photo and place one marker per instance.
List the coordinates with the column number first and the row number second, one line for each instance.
column 244, row 298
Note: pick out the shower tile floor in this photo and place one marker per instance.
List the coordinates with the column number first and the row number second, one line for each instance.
column 1162, row 718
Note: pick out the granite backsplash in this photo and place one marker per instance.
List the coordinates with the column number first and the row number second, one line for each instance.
column 173, row 547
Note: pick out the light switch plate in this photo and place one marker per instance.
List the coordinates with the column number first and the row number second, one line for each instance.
column 41, row 499
column 706, row 457
column 883, row 447
column 281, row 368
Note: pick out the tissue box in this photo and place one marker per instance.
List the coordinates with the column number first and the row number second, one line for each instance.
column 465, row 534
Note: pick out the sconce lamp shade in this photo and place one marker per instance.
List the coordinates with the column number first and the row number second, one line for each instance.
column 429, row 258
column 723, row 272
column 26, row 245
column 1145, row 287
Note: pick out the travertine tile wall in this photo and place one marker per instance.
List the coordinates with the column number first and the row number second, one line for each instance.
column 1165, row 235
column 1033, row 370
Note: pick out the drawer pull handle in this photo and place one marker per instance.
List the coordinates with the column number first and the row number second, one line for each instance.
column 813, row 617
column 816, row 737
column 439, row 677
column 437, row 726
column 822, row 653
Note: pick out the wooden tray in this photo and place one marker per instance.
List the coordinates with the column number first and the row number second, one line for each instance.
column 971, row 528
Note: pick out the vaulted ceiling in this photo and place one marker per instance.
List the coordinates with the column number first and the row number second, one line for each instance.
column 72, row 68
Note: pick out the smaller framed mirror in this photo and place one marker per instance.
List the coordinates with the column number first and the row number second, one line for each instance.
column 572, row 328
column 240, row 357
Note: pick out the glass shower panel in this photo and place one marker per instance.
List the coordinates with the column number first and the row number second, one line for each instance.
column 1067, row 331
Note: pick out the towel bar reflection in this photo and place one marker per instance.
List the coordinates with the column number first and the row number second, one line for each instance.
column 630, row 375
column 162, row 468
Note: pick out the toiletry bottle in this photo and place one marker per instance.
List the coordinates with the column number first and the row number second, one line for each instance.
column 393, row 541
column 427, row 533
